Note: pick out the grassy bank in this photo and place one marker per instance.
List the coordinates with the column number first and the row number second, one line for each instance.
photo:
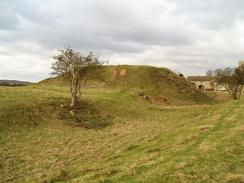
column 138, row 141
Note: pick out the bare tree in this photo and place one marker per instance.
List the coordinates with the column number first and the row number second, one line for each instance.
column 232, row 79
column 72, row 65
column 209, row 73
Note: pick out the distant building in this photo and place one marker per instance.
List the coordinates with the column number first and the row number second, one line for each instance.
column 202, row 82
column 206, row 83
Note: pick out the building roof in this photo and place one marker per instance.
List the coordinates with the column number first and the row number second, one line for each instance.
column 201, row 78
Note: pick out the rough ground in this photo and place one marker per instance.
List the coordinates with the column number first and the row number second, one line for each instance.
column 118, row 137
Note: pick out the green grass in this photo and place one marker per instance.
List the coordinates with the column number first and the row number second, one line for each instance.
column 117, row 137
column 152, row 81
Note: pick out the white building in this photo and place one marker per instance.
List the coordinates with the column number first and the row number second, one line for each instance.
column 206, row 83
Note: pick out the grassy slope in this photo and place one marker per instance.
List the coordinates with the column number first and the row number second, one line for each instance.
column 152, row 81
column 144, row 143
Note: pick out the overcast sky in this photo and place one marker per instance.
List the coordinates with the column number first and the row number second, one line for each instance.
column 188, row 36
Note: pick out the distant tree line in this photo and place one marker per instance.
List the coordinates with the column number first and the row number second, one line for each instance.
column 13, row 83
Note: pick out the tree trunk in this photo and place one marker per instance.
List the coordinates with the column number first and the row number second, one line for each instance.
column 75, row 92
column 236, row 92
column 239, row 92
column 74, row 102
column 235, row 97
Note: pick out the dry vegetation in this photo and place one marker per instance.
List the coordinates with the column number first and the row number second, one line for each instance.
column 118, row 137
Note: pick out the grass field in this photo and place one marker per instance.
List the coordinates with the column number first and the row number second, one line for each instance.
column 117, row 137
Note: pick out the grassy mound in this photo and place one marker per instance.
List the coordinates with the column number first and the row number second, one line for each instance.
column 119, row 134
column 138, row 141
column 158, row 85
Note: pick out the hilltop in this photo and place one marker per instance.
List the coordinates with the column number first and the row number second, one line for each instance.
column 154, row 84
column 5, row 82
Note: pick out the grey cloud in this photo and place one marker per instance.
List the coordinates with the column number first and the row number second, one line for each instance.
column 213, row 14
column 8, row 20
column 190, row 35
column 106, row 26
column 10, row 11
